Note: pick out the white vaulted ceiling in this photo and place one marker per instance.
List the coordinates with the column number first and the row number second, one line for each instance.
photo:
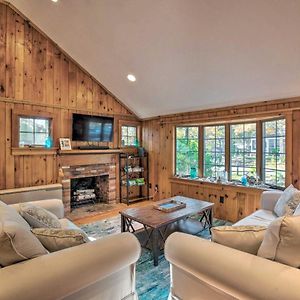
column 186, row 54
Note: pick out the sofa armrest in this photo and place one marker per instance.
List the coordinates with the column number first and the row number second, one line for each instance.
column 62, row 273
column 269, row 199
column 223, row 270
column 55, row 206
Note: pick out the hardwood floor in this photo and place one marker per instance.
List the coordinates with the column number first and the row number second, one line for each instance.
column 110, row 213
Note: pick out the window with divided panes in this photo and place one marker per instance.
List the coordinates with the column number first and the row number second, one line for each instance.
column 128, row 135
column 33, row 131
column 274, row 152
column 213, row 151
column 187, row 146
column 242, row 150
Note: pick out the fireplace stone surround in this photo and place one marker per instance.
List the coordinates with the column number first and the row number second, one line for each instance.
column 87, row 166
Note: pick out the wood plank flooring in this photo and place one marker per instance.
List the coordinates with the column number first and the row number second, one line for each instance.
column 110, row 213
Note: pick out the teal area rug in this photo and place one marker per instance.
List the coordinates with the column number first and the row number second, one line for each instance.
column 152, row 283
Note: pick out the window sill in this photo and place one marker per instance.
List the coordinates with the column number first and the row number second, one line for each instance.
column 203, row 181
column 34, row 151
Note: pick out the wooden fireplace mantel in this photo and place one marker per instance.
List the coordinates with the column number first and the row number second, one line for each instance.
column 78, row 151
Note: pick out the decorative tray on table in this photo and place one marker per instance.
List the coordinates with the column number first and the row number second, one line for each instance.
column 170, row 206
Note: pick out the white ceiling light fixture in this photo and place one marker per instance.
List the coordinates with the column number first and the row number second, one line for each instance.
column 131, row 77
column 54, row 0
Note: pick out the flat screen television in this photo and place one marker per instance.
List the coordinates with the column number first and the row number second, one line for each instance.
column 92, row 128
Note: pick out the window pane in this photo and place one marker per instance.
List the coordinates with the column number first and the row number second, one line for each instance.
column 181, row 132
column 40, row 138
column 270, row 128
column 132, row 131
column 237, row 131
column 250, row 145
column 41, row 125
column 209, row 132
column 250, row 130
column 26, row 124
column 124, row 130
column 237, row 145
column 26, row 139
column 220, row 131
column 281, row 162
column 186, row 150
column 274, row 158
column 214, row 151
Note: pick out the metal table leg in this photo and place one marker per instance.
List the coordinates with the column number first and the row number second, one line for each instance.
column 155, row 246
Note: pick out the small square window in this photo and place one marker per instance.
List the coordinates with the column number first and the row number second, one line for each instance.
column 129, row 136
column 33, row 131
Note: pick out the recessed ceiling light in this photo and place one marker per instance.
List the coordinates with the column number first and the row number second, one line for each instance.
column 54, row 0
column 131, row 77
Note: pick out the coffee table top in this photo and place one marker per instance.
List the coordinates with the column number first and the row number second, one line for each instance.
column 154, row 218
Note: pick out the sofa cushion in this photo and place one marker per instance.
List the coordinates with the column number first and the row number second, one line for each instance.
column 243, row 238
column 38, row 217
column 287, row 202
column 17, row 242
column 54, row 239
column 260, row 217
column 282, row 241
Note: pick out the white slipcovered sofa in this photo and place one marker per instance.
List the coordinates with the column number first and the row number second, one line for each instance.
column 102, row 269
column 201, row 269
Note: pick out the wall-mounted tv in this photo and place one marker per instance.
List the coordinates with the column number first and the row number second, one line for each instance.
column 92, row 128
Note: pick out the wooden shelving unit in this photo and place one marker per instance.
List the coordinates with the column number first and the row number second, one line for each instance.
column 134, row 177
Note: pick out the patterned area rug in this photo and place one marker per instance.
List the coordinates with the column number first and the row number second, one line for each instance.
column 153, row 283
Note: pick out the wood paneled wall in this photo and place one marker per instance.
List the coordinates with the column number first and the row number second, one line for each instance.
column 37, row 76
column 158, row 136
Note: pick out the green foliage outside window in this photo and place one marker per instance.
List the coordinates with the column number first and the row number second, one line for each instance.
column 129, row 135
column 186, row 150
column 242, row 150
column 214, row 151
column 274, row 152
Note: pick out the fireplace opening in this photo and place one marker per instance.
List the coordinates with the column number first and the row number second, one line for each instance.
column 89, row 190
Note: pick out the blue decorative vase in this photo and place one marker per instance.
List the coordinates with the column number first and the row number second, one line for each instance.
column 193, row 173
column 244, row 180
column 48, row 142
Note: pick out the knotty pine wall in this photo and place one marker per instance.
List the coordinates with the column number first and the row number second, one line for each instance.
column 158, row 137
column 37, row 76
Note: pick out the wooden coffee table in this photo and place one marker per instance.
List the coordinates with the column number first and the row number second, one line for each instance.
column 156, row 224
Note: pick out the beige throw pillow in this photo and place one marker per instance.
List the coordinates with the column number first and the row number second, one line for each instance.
column 17, row 243
column 57, row 239
column 288, row 202
column 243, row 238
column 38, row 217
column 282, row 241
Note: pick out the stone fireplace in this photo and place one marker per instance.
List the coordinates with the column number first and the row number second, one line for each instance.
column 87, row 179
column 89, row 190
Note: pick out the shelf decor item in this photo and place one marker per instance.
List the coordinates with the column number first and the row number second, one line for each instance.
column 65, row 144
column 170, row 206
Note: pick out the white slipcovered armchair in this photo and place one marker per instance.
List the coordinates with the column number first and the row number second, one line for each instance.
column 201, row 269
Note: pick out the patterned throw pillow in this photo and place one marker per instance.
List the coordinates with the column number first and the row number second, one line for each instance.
column 38, row 217
column 243, row 238
column 17, row 243
column 288, row 202
column 282, row 241
column 54, row 239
